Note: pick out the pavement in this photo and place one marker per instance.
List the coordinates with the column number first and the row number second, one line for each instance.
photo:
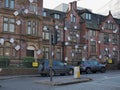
column 63, row 81
column 54, row 82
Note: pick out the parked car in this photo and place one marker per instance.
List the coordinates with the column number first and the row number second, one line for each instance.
column 90, row 66
column 58, row 67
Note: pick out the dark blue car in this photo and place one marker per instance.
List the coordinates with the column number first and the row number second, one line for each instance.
column 58, row 67
column 90, row 66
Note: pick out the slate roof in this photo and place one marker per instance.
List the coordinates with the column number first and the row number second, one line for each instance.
column 51, row 12
column 94, row 23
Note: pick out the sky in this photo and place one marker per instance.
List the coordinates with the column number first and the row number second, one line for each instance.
column 94, row 5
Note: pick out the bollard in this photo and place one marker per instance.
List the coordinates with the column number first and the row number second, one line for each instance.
column 76, row 72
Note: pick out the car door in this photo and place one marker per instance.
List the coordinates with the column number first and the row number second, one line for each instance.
column 92, row 65
column 57, row 67
column 62, row 68
column 96, row 65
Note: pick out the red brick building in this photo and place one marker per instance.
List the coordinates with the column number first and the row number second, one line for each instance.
column 27, row 27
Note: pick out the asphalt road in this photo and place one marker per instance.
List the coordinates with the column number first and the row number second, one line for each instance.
column 101, row 81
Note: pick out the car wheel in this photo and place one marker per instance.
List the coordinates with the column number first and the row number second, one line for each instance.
column 88, row 71
column 70, row 72
column 103, row 70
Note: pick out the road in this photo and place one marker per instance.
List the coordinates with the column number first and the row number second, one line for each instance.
column 101, row 81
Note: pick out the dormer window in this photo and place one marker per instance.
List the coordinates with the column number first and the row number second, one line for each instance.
column 88, row 16
column 33, row 7
column 57, row 16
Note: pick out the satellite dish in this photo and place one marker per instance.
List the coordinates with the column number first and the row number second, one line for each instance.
column 83, row 59
column 16, row 13
column 73, row 54
column 109, row 55
column 26, row 11
column 66, row 59
column 75, row 27
column 69, row 38
column 108, row 21
column 91, row 39
column 76, row 46
column 99, row 42
column 30, row 1
column 114, row 48
column 52, row 53
column 109, row 40
column 18, row 22
column 12, row 40
column 56, row 27
column 45, row 28
column 77, row 35
column 106, row 49
column 39, row 51
column 2, row 41
column 17, row 47
column 100, row 56
column 85, row 47
column 65, row 28
column 102, row 28
column 66, row 43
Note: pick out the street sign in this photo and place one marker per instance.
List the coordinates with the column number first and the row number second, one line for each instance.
column 35, row 64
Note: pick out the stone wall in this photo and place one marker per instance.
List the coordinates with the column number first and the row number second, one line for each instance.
column 18, row 71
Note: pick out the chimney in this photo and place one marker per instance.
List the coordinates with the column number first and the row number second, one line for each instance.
column 73, row 5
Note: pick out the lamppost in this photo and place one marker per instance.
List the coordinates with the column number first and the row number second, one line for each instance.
column 53, row 41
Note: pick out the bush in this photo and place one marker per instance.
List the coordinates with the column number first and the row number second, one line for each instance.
column 27, row 61
column 4, row 61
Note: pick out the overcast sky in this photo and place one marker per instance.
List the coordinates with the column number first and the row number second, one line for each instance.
column 94, row 5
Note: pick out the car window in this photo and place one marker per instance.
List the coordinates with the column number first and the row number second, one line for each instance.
column 95, row 63
column 60, row 64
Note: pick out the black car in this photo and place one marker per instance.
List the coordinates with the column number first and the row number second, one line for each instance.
column 58, row 67
column 90, row 66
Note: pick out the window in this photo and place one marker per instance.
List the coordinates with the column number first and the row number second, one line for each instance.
column 33, row 7
column 46, row 52
column 110, row 26
column 32, row 28
column 114, row 39
column 106, row 38
column 92, row 33
column 9, row 4
column 7, row 50
column 58, row 55
column 72, row 18
column 93, row 47
column 8, row 24
column 46, row 34
column 115, row 54
column 58, row 35
column 56, row 16
column 88, row 16
column 44, row 14
column 1, row 51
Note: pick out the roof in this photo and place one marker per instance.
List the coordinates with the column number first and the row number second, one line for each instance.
column 51, row 12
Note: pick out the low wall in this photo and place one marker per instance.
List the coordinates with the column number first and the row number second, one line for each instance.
column 18, row 71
